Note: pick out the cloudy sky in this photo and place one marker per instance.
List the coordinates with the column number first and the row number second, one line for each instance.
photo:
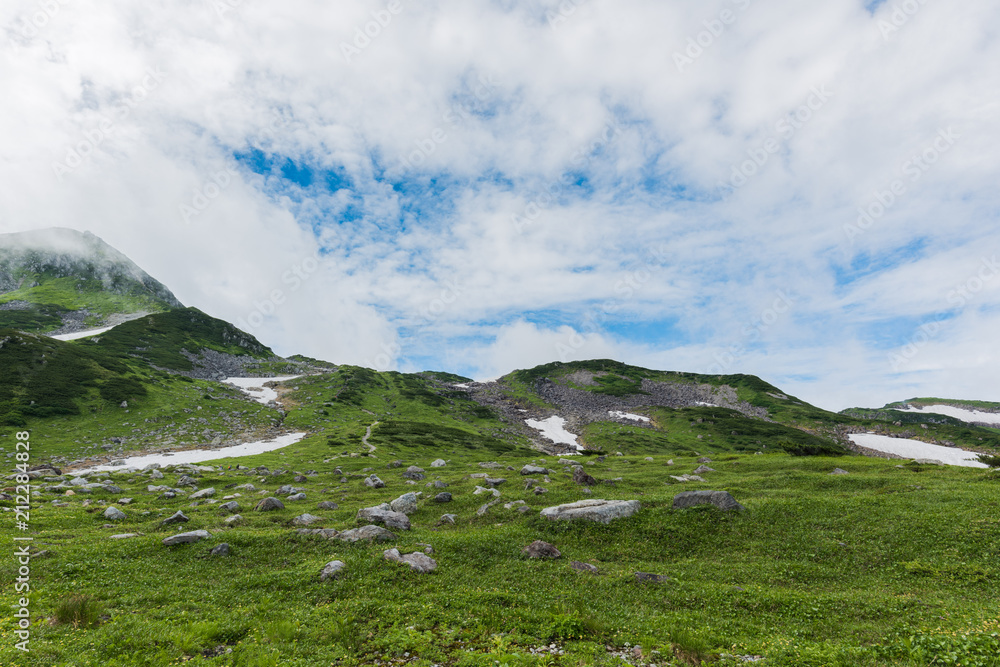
column 802, row 191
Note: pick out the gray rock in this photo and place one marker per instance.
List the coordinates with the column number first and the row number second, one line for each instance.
column 485, row 508
column 305, row 520
column 124, row 501
column 540, row 490
column 186, row 538
column 530, row 483
column 443, row 497
column 439, row 463
column 581, row 477
column 123, row 536
column 584, row 567
column 296, row 496
column 204, row 493
column 417, row 561
column 720, row 499
column 438, row 484
column 405, row 504
column 176, row 517
column 491, row 465
column 649, row 459
column 327, row 505
column 367, row 534
column 493, row 483
column 287, row 490
column 395, row 464
column 388, row 518
column 704, row 459
column 221, row 550
column 925, row 462
column 234, row 520
column 700, row 469
column 414, row 473
column 187, row 481
column 373, row 482
column 231, row 506
column 597, row 510
column 79, row 481
column 647, row 577
column 332, row 570
column 269, row 504
column 839, row 471
column 540, row 549
column 448, row 518
column 156, row 474
column 534, row 470
column 114, row 514
column 326, row 533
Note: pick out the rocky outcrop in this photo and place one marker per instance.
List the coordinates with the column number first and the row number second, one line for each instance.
column 597, row 510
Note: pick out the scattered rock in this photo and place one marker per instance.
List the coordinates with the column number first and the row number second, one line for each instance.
column 372, row 482
column 484, row 508
column 332, row 570
column 231, row 506
column 176, row 517
column 439, row 463
column 326, row 533
column 704, row 459
column 204, row 493
column 327, row 505
column 491, row 465
column 597, row 510
column 580, row 476
column 386, row 517
column 839, row 471
column 584, row 567
column 923, row 462
column 367, row 533
column 700, row 469
column 234, row 520
column 114, row 514
column 418, row 561
column 414, row 473
column 438, row 484
column 156, row 474
column 649, row 459
column 534, row 470
column 443, row 497
column 720, row 499
column 124, row 536
column 530, row 483
column 124, row 501
column 512, row 505
column 269, row 504
column 297, row 496
column 305, row 520
column 540, row 549
column 539, row 490
column 448, row 518
column 221, row 550
column 493, row 483
column 405, row 504
column 186, row 538
column 647, row 577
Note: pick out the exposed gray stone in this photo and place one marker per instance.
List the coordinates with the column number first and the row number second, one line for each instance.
column 204, row 493
column 597, row 510
column 405, row 504
column 720, row 499
column 448, row 518
column 373, row 482
column 221, row 550
column 176, row 517
column 305, row 520
column 584, row 567
column 124, row 536
column 296, row 496
column 114, row 514
column 839, row 471
column 388, row 518
column 439, row 463
column 417, row 561
column 438, row 484
column 269, row 504
column 443, row 497
column 581, row 477
column 414, row 473
column 647, row 577
column 332, row 570
column 534, row 470
column 326, row 533
column 186, row 538
column 234, row 520
column 701, row 469
column 367, row 533
column 231, row 506
column 327, row 505
column 540, row 549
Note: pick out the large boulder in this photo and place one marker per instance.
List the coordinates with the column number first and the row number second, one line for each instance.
column 114, row 514
column 581, row 477
column 720, row 499
column 540, row 549
column 386, row 517
column 269, row 504
column 597, row 510
column 419, row 562
column 332, row 570
column 367, row 534
column 186, row 538
column 405, row 504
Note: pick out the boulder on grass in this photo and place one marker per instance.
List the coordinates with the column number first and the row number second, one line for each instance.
column 269, row 505
column 720, row 499
column 540, row 549
column 597, row 510
column 418, row 561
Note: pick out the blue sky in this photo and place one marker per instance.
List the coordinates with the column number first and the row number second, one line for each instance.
column 805, row 193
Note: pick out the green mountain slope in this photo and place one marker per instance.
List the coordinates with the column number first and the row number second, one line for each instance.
column 63, row 280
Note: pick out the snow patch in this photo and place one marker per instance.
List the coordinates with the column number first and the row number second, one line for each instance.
column 628, row 415
column 82, row 334
column 554, row 428
column 916, row 449
column 199, row 455
column 254, row 387
column 464, row 385
column 960, row 413
column 706, row 405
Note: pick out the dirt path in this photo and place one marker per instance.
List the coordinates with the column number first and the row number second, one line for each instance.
column 368, row 433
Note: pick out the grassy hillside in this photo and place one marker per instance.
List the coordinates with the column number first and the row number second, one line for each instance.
column 53, row 277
